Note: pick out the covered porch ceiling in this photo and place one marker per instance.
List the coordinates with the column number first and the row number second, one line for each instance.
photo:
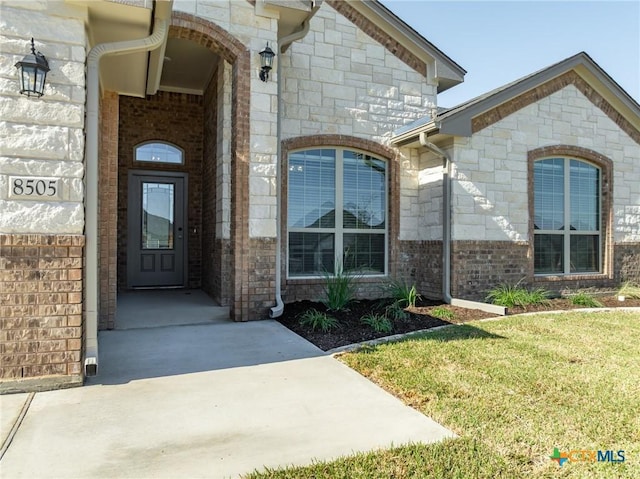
column 179, row 65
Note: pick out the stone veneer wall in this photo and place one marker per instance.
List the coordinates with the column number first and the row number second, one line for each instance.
column 41, row 325
column 176, row 118
column 490, row 178
column 43, row 137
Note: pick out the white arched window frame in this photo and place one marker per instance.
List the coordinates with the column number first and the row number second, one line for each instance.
column 159, row 152
column 567, row 216
column 337, row 212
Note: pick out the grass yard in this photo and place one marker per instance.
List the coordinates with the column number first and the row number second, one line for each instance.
column 513, row 390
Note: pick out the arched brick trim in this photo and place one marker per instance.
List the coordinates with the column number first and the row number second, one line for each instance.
column 300, row 142
column 570, row 78
column 606, row 192
column 213, row 37
column 346, row 141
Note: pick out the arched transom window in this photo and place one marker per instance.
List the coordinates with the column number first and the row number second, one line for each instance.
column 336, row 212
column 159, row 152
column 567, row 217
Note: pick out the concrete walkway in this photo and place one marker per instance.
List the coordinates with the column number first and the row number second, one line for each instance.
column 215, row 400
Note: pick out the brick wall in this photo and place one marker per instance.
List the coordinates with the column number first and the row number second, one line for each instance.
column 262, row 260
column 41, row 311
column 175, row 118
column 477, row 266
column 108, row 210
column 420, row 263
column 627, row 262
column 210, row 278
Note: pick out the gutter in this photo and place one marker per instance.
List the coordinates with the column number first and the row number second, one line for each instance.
column 410, row 136
column 283, row 45
column 446, row 236
column 156, row 39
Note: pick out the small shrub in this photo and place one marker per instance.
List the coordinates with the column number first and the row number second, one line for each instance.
column 403, row 293
column 586, row 300
column 396, row 311
column 629, row 290
column 378, row 322
column 509, row 295
column 442, row 313
column 537, row 296
column 339, row 289
column 318, row 320
column 506, row 295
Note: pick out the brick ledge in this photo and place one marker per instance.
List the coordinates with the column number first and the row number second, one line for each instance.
column 39, row 384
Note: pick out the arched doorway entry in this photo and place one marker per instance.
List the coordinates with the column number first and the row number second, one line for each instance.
column 201, row 109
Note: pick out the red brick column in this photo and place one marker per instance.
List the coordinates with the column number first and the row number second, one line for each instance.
column 41, row 321
column 108, row 207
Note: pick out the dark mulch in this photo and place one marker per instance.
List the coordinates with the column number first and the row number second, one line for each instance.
column 351, row 330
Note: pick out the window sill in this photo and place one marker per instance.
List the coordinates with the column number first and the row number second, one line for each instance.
column 570, row 277
column 320, row 280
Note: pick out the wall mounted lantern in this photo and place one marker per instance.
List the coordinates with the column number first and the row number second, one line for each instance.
column 266, row 61
column 33, row 72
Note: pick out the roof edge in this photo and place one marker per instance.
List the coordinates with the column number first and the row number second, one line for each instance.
column 457, row 121
column 411, row 39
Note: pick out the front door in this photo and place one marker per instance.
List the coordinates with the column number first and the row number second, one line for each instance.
column 156, row 246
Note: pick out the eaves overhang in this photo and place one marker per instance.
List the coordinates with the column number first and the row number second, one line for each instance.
column 108, row 21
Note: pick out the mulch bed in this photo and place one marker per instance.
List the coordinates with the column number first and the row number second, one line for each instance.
column 351, row 330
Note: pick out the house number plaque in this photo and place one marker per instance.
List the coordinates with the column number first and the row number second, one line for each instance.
column 35, row 188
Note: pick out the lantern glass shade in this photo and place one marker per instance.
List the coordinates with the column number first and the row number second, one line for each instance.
column 33, row 72
column 266, row 58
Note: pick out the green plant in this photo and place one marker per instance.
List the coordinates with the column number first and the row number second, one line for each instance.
column 377, row 322
column 442, row 313
column 586, row 300
column 396, row 311
column 629, row 290
column 403, row 293
column 318, row 320
column 339, row 288
column 510, row 295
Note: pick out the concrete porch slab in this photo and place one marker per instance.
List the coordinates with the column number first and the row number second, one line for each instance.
column 167, row 307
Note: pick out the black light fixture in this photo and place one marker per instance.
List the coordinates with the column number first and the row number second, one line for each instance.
column 33, row 72
column 266, row 60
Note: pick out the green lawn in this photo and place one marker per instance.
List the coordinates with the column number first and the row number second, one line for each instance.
column 513, row 390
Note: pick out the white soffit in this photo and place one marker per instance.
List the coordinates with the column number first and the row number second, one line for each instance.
column 115, row 21
column 187, row 67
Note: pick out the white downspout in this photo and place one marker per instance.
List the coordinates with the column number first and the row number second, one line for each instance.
column 446, row 235
column 446, row 215
column 149, row 43
column 283, row 44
